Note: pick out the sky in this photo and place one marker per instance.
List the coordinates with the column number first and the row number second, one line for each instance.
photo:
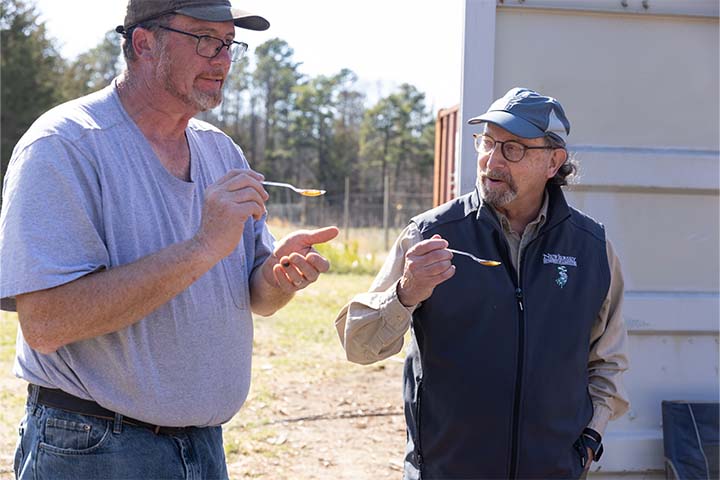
column 385, row 42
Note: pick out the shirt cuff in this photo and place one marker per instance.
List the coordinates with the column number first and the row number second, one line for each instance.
column 600, row 419
column 396, row 319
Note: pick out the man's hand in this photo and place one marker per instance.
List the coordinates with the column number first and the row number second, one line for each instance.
column 427, row 264
column 297, row 263
column 229, row 202
column 590, row 458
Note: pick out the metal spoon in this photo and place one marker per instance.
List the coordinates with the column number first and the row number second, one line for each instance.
column 481, row 261
column 308, row 192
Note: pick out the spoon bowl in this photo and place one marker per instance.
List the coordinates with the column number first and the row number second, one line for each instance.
column 481, row 261
column 306, row 192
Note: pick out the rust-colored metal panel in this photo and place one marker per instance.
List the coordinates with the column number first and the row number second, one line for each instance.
column 437, row 170
column 446, row 129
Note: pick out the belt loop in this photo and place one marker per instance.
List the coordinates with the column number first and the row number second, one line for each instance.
column 33, row 392
column 32, row 402
column 117, row 424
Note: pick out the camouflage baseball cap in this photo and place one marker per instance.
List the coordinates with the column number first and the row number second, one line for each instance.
column 139, row 11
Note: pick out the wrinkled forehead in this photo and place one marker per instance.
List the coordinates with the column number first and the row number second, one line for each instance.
column 221, row 29
column 499, row 133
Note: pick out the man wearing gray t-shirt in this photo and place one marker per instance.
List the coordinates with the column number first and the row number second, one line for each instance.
column 134, row 248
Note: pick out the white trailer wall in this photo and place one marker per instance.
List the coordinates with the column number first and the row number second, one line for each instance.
column 640, row 86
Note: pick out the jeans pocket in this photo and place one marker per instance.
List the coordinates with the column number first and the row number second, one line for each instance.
column 19, row 450
column 72, row 434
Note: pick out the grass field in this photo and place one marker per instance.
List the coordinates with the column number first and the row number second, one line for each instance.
column 12, row 394
column 298, row 342
column 360, row 250
column 299, row 371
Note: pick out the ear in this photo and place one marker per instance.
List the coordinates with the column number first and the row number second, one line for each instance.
column 144, row 43
column 557, row 159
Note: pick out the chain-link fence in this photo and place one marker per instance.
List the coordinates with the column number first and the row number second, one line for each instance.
column 349, row 210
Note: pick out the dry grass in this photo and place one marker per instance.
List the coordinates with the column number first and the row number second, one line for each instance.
column 12, row 394
column 367, row 244
column 299, row 370
column 294, row 350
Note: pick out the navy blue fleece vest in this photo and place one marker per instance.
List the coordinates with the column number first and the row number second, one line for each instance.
column 496, row 381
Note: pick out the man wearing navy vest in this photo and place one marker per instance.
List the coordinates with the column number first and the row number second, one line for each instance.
column 512, row 370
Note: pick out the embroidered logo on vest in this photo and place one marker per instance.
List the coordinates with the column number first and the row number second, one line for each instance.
column 558, row 259
column 562, row 276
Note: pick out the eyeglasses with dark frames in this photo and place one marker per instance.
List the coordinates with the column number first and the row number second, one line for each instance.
column 512, row 151
column 210, row 47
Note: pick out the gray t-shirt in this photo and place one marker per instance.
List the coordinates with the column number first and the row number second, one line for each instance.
column 84, row 192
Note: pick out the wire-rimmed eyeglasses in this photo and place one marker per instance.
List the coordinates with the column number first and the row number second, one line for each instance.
column 512, row 151
column 210, row 47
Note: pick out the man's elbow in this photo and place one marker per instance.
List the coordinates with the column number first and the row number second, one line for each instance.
column 35, row 322
column 359, row 358
column 36, row 334
column 45, row 348
column 362, row 355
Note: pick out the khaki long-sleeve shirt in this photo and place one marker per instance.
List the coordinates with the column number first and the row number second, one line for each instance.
column 373, row 325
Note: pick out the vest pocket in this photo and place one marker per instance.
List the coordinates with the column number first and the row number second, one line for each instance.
column 582, row 456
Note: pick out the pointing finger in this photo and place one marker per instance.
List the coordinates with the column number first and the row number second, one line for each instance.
column 321, row 235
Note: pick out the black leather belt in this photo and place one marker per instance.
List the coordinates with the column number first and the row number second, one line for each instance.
column 51, row 397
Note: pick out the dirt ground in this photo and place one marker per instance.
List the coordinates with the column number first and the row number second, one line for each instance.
column 350, row 427
column 329, row 428
column 310, row 414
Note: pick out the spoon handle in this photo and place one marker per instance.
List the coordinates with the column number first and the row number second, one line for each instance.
column 481, row 261
column 278, row 184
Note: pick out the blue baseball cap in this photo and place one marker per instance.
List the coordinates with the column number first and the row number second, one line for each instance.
column 527, row 114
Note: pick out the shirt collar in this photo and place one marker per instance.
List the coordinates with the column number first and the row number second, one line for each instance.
column 535, row 224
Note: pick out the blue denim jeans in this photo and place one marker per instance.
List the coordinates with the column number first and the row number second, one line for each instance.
column 56, row 444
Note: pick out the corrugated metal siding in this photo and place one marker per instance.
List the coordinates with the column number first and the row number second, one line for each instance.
column 445, row 138
column 642, row 94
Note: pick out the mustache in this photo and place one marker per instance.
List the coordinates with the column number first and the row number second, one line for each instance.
column 214, row 74
column 498, row 175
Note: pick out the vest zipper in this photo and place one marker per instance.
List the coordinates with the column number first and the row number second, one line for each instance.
column 518, row 384
column 418, row 447
column 515, row 277
column 519, row 297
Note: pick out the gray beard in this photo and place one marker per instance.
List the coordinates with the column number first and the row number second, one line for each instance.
column 498, row 198
column 196, row 100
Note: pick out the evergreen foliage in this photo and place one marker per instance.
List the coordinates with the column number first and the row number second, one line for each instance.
column 295, row 128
